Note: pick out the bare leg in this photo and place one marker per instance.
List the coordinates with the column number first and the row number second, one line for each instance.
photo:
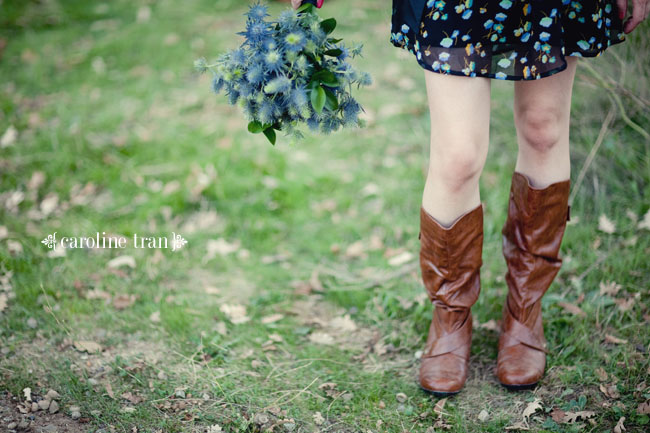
column 460, row 122
column 541, row 112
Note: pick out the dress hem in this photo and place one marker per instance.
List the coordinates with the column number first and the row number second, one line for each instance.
column 410, row 48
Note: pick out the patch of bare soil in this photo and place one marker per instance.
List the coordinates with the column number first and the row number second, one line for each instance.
column 41, row 421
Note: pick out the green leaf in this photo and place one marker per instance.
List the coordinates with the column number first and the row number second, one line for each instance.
column 326, row 77
column 328, row 25
column 318, row 99
column 307, row 7
column 270, row 134
column 331, row 101
column 334, row 52
column 255, row 127
column 334, row 40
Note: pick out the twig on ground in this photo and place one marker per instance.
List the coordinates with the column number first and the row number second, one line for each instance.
column 617, row 100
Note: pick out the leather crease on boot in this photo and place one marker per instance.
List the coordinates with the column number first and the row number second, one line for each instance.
column 450, row 261
column 532, row 235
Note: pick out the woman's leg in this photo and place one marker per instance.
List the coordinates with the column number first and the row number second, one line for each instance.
column 541, row 111
column 451, row 224
column 460, row 123
column 537, row 216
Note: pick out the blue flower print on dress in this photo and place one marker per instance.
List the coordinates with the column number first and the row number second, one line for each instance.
column 504, row 39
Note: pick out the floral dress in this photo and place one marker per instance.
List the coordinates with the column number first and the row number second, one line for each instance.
column 504, row 39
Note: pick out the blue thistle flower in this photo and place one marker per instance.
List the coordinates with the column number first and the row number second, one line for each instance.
column 288, row 19
column 249, row 109
column 273, row 60
column 257, row 12
column 278, row 107
column 365, row 79
column 356, row 51
column 256, row 32
column 265, row 112
column 255, row 74
column 245, row 90
column 295, row 41
column 237, row 57
column 269, row 44
column 217, row 84
column 313, row 123
column 299, row 97
column 233, row 95
column 329, row 125
column 351, row 111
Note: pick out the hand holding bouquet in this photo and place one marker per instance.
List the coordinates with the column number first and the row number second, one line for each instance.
column 289, row 72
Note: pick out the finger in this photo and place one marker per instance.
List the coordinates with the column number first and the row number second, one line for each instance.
column 621, row 5
column 296, row 3
column 319, row 3
column 638, row 12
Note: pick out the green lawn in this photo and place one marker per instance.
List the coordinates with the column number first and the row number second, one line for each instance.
column 296, row 304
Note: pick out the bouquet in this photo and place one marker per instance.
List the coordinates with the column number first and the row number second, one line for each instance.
column 289, row 72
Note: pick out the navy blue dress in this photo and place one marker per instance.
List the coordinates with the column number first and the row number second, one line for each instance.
column 504, row 39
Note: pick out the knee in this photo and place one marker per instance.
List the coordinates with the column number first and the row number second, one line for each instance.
column 457, row 167
column 539, row 127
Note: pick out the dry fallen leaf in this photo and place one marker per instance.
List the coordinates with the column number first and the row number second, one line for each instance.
column 483, row 415
column 533, row 406
column 210, row 290
column 3, row 301
column 438, row 408
column 571, row 417
column 643, row 408
column 220, row 246
column 558, row 415
column 490, row 325
column 49, row 204
column 355, row 250
column 9, row 137
column 321, row 338
column 97, row 294
column 318, row 418
column 343, row 323
column 611, row 339
column 624, row 304
column 133, row 398
column 155, row 317
column 606, row 225
column 400, row 259
column 109, row 390
column 610, row 391
column 609, row 288
column 120, row 261
column 122, row 301
column 602, row 374
column 87, row 346
column 571, row 308
column 272, row 318
column 236, row 313
column 619, row 427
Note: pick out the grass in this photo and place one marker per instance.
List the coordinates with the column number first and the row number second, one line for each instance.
column 129, row 140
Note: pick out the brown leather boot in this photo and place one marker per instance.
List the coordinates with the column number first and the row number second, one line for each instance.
column 450, row 261
column 532, row 235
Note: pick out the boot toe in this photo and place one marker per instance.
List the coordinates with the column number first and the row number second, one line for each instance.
column 520, row 366
column 443, row 374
